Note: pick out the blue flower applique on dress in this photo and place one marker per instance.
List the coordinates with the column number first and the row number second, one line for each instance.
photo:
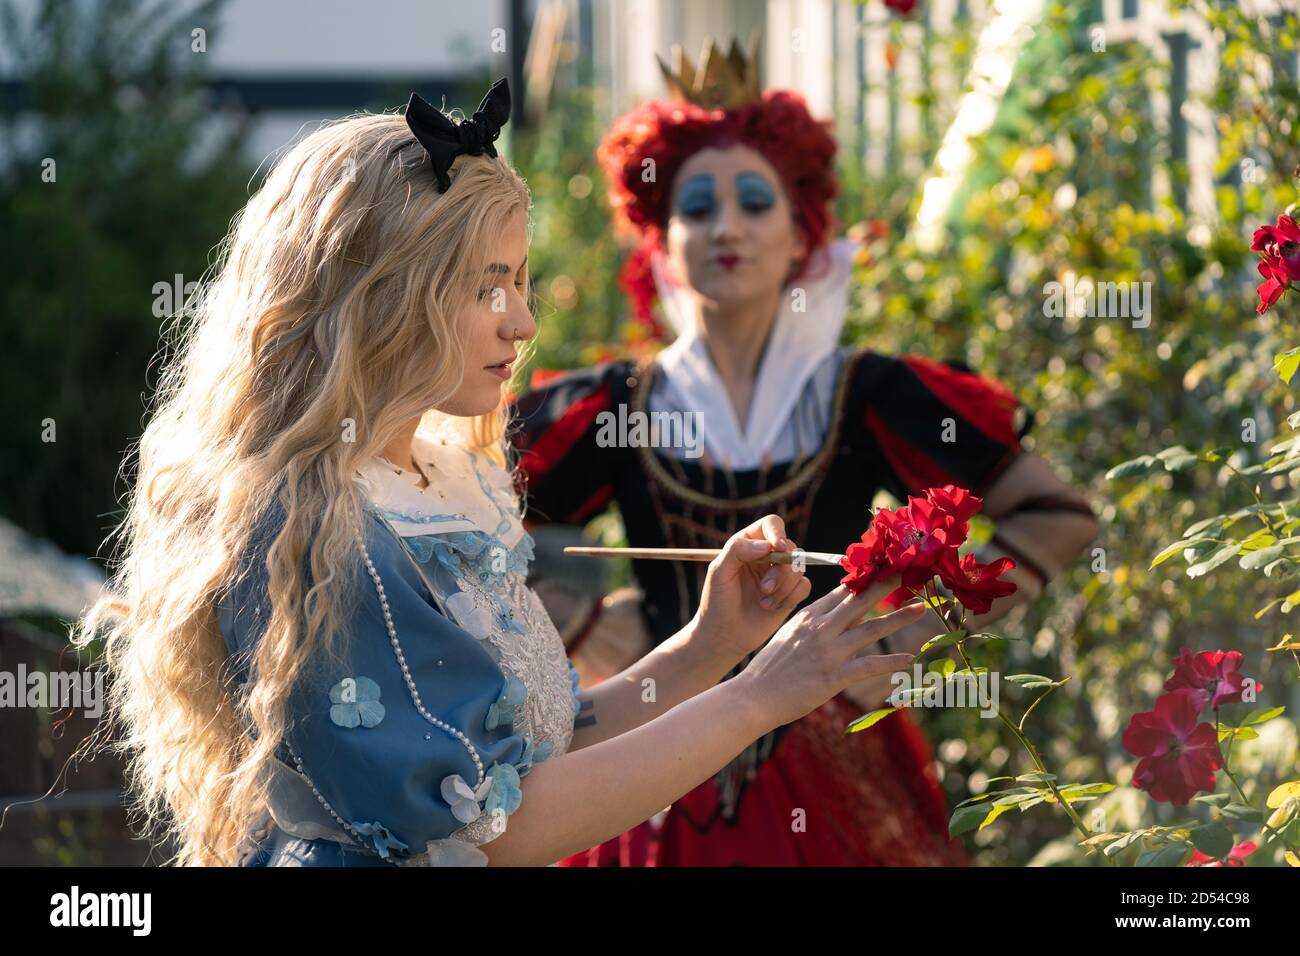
column 505, row 794
column 355, row 703
column 513, row 696
column 450, row 852
column 383, row 841
column 469, row 615
column 498, row 795
column 465, row 801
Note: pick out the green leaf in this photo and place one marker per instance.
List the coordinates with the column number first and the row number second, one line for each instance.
column 990, row 636
column 1031, row 681
column 1213, row 839
column 1081, row 792
column 994, row 812
column 972, row 800
column 1178, row 546
column 1036, row 776
column 1282, row 793
column 1016, row 795
column 1286, row 363
column 944, row 666
column 1128, row 839
column 1214, row 799
column 1258, row 539
column 1281, row 467
column 1284, row 446
column 1135, row 466
column 1243, row 812
column 1097, row 839
column 1262, row 714
column 871, row 719
column 1176, row 458
column 965, row 819
column 1268, row 607
column 942, row 640
column 1171, row 854
column 1214, row 560
column 1081, row 788
column 1287, row 565
column 1257, row 559
column 1239, row 733
column 1204, row 524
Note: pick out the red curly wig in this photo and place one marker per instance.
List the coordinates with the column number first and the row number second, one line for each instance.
column 778, row 126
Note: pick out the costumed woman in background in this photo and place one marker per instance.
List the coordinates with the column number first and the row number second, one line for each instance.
column 728, row 193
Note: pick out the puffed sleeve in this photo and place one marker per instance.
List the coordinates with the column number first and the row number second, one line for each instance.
column 408, row 738
column 938, row 423
column 566, row 475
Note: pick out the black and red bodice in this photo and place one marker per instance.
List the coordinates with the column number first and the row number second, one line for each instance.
column 897, row 423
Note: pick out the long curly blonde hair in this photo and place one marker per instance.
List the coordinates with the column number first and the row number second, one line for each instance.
column 331, row 318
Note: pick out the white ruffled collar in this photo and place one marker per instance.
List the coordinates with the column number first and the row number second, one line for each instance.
column 799, row 343
column 466, row 492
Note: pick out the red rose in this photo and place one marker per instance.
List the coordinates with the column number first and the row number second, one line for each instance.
column 1279, row 247
column 976, row 585
column 957, row 502
column 1235, row 858
column 925, row 529
column 1213, row 677
column 901, row 7
column 1280, row 243
column 1179, row 755
column 915, row 535
column 1271, row 289
column 912, row 540
column 865, row 561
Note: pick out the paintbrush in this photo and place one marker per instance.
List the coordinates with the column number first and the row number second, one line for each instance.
column 703, row 554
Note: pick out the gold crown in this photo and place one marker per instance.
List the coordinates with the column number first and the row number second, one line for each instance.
column 719, row 81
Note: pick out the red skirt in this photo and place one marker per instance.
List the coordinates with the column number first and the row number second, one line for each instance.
column 869, row 799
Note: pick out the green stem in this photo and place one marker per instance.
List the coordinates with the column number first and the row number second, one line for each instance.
column 1254, row 494
column 1030, row 710
column 1034, row 755
column 1232, row 777
column 1227, row 757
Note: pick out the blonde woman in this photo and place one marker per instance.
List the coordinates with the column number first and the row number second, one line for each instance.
column 323, row 648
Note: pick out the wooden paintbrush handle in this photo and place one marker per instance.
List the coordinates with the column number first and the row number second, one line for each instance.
column 698, row 554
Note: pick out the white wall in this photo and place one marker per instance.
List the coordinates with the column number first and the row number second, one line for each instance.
column 285, row 40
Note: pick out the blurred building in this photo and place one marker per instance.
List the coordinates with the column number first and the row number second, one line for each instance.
column 864, row 65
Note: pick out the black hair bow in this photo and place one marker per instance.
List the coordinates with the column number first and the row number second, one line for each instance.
column 444, row 140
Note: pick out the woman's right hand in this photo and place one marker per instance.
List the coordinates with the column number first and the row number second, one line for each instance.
column 820, row 651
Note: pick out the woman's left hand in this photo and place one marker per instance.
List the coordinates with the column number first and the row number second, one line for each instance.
column 745, row 598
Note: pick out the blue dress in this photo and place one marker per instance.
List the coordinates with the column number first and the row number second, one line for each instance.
column 452, row 682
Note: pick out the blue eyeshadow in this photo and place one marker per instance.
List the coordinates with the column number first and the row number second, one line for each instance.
column 696, row 198
column 755, row 191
